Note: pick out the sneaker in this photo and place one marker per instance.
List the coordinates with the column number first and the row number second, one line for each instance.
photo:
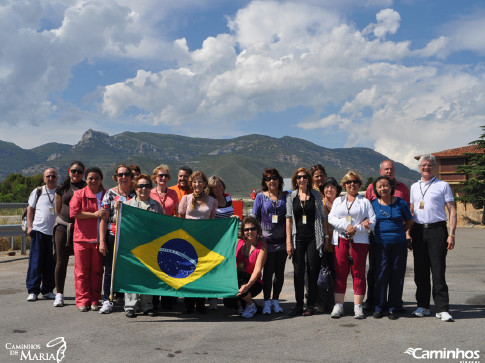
column 337, row 312
column 249, row 311
column 377, row 315
column 358, row 312
column 106, row 308
column 213, row 304
column 49, row 296
column 276, row 306
column 32, row 297
column 444, row 316
column 267, row 307
column 420, row 312
column 130, row 313
column 94, row 307
column 83, row 309
column 59, row 301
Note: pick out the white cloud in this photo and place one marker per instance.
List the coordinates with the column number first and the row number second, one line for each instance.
column 466, row 32
column 388, row 21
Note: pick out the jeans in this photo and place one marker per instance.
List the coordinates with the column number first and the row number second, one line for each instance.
column 40, row 273
column 389, row 272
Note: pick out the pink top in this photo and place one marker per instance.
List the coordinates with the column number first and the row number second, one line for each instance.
column 205, row 211
column 85, row 230
column 169, row 203
column 248, row 263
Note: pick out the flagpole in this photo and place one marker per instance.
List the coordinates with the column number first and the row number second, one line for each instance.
column 115, row 252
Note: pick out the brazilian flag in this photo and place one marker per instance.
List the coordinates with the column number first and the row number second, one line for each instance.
column 157, row 254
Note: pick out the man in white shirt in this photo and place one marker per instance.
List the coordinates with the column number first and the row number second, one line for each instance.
column 430, row 238
column 41, row 217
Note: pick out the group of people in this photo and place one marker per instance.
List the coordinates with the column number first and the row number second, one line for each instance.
column 313, row 225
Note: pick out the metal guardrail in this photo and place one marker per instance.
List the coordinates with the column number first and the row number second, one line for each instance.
column 14, row 230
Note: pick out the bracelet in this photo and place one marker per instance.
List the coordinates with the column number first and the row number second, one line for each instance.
column 451, row 235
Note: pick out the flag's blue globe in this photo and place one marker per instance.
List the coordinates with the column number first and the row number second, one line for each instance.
column 177, row 258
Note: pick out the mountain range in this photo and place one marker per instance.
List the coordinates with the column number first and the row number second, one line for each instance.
column 239, row 161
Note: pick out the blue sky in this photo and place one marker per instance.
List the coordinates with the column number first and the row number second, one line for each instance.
column 402, row 77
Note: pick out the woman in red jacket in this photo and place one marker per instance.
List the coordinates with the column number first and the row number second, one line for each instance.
column 85, row 208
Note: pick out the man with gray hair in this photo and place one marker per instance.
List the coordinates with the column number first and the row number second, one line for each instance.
column 41, row 216
column 430, row 238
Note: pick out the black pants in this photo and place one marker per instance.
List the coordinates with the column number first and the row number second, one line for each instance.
column 108, row 265
column 308, row 249
column 429, row 251
column 62, row 256
column 371, row 271
column 275, row 265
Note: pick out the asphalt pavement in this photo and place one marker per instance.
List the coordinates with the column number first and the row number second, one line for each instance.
column 222, row 336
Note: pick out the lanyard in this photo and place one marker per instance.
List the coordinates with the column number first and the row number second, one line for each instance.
column 347, row 204
column 421, row 190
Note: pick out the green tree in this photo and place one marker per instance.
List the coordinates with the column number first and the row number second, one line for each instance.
column 16, row 188
column 474, row 187
column 368, row 182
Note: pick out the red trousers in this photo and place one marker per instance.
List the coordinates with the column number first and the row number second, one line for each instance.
column 358, row 252
column 88, row 273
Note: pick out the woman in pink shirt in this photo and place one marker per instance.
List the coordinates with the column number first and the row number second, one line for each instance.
column 85, row 208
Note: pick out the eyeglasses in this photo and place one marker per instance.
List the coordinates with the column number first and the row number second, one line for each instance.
column 51, row 176
column 269, row 178
column 120, row 175
column 163, row 176
column 249, row 229
column 141, row 186
column 348, row 182
column 76, row 171
column 302, row 177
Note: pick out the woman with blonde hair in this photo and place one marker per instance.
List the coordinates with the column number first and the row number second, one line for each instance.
column 167, row 198
column 352, row 216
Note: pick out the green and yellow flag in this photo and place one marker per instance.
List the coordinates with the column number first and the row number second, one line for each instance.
column 162, row 255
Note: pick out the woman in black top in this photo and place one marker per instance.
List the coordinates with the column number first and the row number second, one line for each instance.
column 64, row 225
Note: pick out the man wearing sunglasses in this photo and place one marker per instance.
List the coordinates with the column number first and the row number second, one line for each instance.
column 41, row 217
column 386, row 168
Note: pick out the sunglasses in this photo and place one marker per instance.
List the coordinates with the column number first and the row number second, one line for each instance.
column 141, row 186
column 51, row 176
column 269, row 178
column 76, row 171
column 249, row 229
column 120, row 175
column 302, row 177
column 348, row 182
column 163, row 176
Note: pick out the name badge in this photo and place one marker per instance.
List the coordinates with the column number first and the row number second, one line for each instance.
column 274, row 218
column 51, row 211
column 421, row 204
column 303, row 219
column 348, row 219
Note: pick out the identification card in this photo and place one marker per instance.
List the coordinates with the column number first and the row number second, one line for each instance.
column 303, row 219
column 274, row 218
column 421, row 204
column 348, row 219
column 51, row 211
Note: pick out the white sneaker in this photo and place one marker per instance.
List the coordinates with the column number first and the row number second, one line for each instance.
column 444, row 316
column 213, row 304
column 267, row 307
column 32, row 297
column 249, row 311
column 59, row 301
column 420, row 312
column 49, row 296
column 337, row 312
column 106, row 308
column 358, row 312
column 276, row 306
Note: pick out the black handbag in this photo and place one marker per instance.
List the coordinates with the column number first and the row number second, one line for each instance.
column 325, row 278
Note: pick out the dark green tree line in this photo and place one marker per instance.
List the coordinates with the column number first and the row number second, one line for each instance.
column 16, row 188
